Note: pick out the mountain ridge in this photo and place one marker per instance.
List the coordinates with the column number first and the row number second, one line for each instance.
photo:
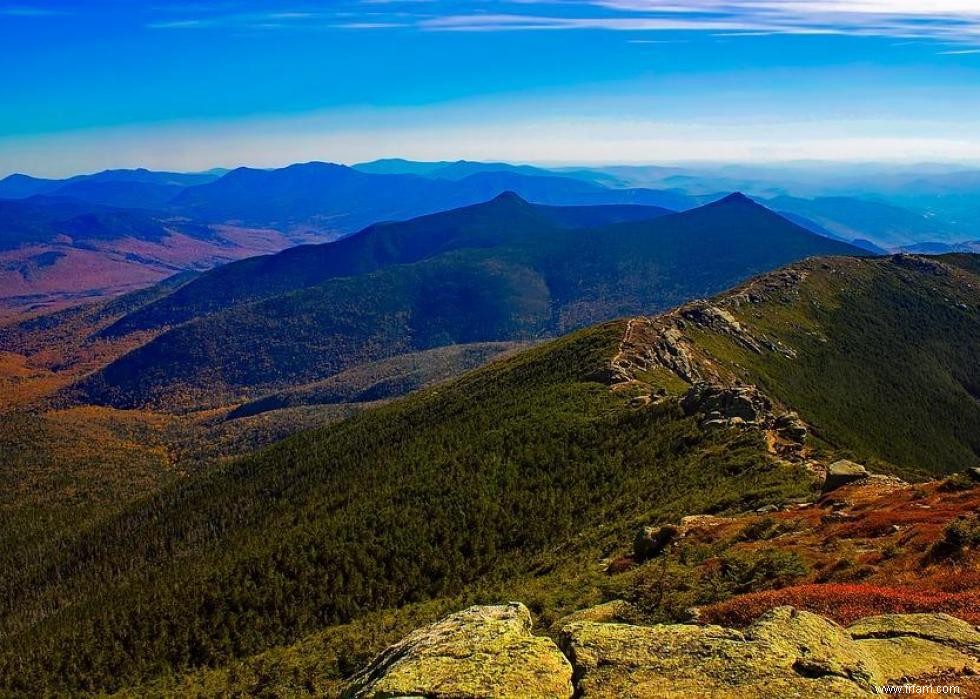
column 420, row 284
column 514, row 480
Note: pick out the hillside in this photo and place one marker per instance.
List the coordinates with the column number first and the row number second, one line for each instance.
column 500, row 271
column 139, row 188
column 59, row 251
column 516, row 480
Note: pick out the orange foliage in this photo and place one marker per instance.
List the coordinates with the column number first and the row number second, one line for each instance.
column 844, row 603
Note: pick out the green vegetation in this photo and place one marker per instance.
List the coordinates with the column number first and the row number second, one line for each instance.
column 470, row 482
column 384, row 379
column 281, row 572
column 886, row 359
column 500, row 271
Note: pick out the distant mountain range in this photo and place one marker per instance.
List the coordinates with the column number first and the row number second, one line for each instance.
column 141, row 189
column 500, row 271
column 149, row 224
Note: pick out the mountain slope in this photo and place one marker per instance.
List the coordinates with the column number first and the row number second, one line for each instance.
column 518, row 477
column 885, row 225
column 496, row 272
column 56, row 251
column 457, row 483
column 506, row 219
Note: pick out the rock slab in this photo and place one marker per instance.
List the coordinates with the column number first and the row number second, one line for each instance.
column 479, row 652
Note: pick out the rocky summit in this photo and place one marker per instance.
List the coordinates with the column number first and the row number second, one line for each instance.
column 490, row 652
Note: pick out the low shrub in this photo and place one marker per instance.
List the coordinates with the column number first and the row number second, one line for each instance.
column 844, row 603
column 960, row 534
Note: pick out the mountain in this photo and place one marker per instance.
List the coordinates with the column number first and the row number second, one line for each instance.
column 499, row 271
column 56, row 251
column 550, row 476
column 138, row 188
column 936, row 248
column 337, row 200
column 506, row 219
column 444, row 169
column 885, row 225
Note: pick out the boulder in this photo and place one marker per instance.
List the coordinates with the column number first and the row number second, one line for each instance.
column 843, row 472
column 786, row 653
column 727, row 405
column 974, row 473
column 908, row 657
column 941, row 628
column 790, row 427
column 651, row 541
column 480, row 652
column 607, row 613
column 814, row 646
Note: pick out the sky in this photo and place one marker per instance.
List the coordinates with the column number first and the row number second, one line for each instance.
column 93, row 84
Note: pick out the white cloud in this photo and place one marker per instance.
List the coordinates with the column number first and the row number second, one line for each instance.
column 947, row 20
column 952, row 20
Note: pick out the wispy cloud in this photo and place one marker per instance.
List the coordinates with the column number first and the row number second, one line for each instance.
column 30, row 11
column 946, row 20
column 957, row 20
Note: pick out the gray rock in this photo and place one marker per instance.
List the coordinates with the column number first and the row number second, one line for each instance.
column 843, row 472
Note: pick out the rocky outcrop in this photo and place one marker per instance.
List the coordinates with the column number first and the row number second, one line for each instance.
column 940, row 628
column 490, row 652
column 785, row 653
column 842, row 472
column 666, row 346
column 649, row 542
column 616, row 611
column 479, row 652
column 728, row 405
column 790, row 428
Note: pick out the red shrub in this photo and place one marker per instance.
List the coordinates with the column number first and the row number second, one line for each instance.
column 844, row 603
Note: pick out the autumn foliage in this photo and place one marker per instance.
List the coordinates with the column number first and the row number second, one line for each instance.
column 845, row 603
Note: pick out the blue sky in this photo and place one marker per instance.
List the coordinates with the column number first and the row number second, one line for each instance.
column 190, row 85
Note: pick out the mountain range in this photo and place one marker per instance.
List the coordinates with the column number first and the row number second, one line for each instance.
column 221, row 215
column 287, row 570
column 505, row 270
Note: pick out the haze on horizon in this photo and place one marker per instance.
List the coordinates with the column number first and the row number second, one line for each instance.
column 190, row 86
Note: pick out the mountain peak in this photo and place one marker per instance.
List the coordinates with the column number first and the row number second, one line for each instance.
column 509, row 196
column 735, row 198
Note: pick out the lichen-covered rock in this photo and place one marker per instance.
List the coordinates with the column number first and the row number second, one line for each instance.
column 908, row 657
column 606, row 613
column 490, row 652
column 781, row 656
column 784, row 653
column 479, row 652
column 841, row 473
column 941, row 628
column 816, row 646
